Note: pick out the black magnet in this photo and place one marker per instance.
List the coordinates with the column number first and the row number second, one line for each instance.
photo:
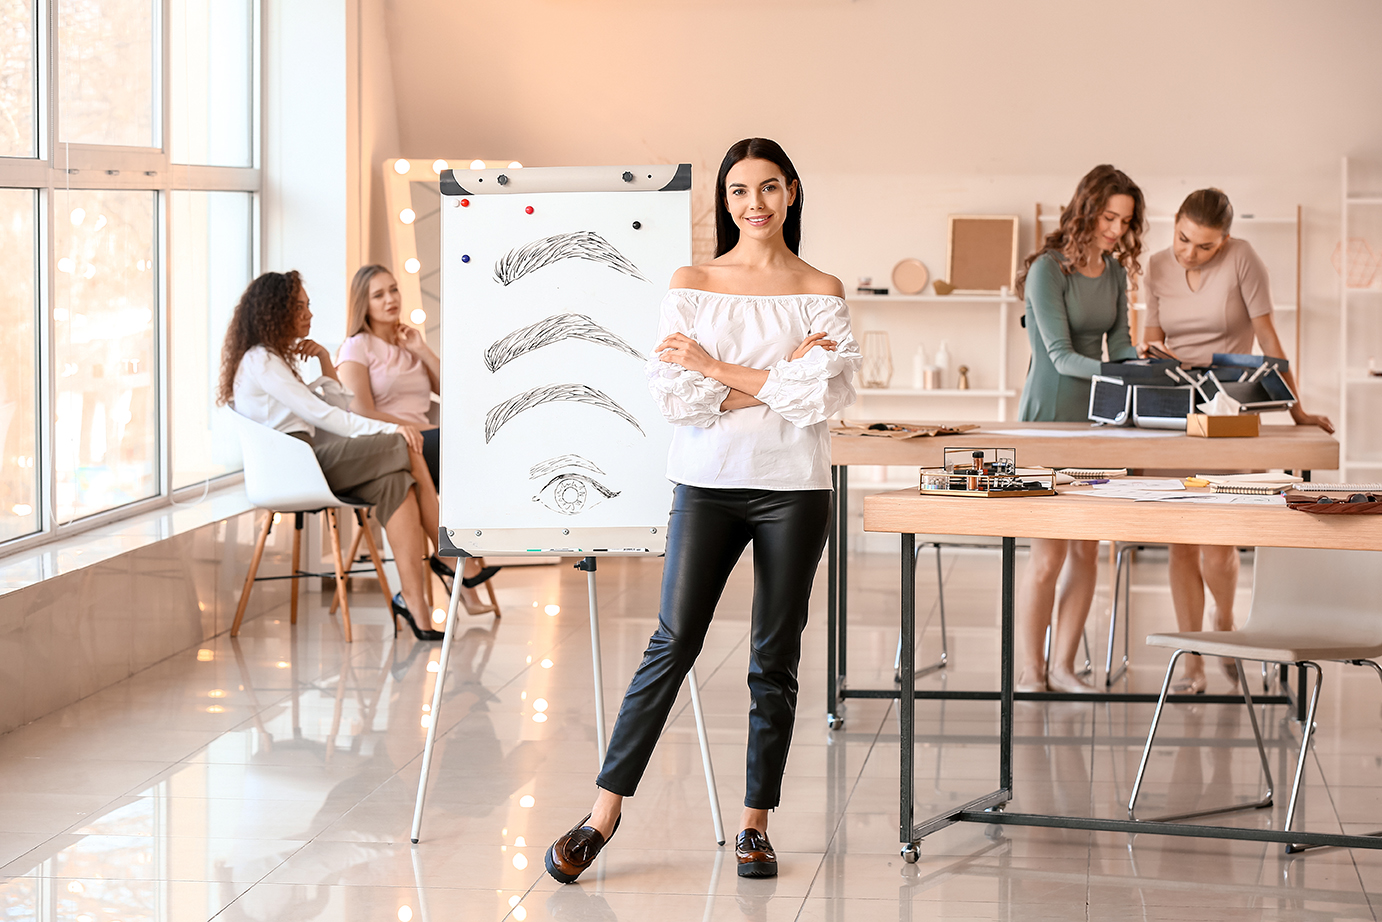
column 637, row 225
column 628, row 177
column 502, row 180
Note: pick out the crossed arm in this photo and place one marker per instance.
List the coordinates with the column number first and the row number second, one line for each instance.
column 742, row 381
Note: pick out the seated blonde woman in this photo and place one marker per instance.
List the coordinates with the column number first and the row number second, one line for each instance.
column 392, row 373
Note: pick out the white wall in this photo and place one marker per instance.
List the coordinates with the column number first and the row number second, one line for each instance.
column 899, row 112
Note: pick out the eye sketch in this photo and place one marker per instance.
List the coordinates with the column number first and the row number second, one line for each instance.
column 551, row 393
column 542, row 253
column 560, row 462
column 551, row 330
column 572, row 494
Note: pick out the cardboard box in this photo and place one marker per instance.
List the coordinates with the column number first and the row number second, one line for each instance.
column 1215, row 427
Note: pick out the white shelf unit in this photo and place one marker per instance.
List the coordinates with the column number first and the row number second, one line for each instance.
column 874, row 401
column 1357, row 389
column 1296, row 221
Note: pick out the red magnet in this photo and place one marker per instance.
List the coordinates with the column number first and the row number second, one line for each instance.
column 528, row 210
column 465, row 203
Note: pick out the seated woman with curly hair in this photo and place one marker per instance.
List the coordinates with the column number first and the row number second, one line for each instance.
column 378, row 462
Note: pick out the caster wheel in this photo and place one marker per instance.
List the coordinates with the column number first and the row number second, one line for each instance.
column 911, row 852
column 834, row 721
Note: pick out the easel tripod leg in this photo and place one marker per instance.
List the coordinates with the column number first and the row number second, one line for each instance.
column 715, row 816
column 435, row 713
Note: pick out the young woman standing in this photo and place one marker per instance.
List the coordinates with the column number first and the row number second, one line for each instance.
column 756, row 354
column 1076, row 293
column 1207, row 293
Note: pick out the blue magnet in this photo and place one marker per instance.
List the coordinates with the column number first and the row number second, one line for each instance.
column 465, row 259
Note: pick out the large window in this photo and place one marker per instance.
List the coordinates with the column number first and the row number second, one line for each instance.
column 127, row 231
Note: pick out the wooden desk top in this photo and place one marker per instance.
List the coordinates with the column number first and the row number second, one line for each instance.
column 1097, row 518
column 1287, row 447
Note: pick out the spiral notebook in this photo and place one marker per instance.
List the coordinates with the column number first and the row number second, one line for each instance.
column 1250, row 484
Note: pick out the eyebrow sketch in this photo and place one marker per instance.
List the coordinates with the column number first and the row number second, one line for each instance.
column 577, row 245
column 560, row 462
column 551, row 330
column 551, row 393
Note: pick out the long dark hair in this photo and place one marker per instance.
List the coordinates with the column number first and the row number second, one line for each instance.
column 265, row 317
column 1080, row 219
column 726, row 231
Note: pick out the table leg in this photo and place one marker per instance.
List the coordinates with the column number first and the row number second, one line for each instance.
column 842, row 604
column 906, row 704
column 832, row 611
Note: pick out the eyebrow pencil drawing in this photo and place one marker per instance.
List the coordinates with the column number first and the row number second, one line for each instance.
column 562, row 462
column 501, row 413
column 539, row 254
column 551, row 330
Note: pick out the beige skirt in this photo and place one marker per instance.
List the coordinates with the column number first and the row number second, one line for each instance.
column 371, row 468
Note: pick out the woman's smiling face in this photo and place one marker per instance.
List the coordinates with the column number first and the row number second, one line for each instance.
column 758, row 198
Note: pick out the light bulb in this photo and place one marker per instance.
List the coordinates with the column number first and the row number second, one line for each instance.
column 546, row 664
column 526, row 800
column 405, row 913
column 552, row 610
column 401, row 167
column 539, row 704
column 419, row 316
column 439, row 165
column 407, row 216
column 411, row 265
column 477, row 164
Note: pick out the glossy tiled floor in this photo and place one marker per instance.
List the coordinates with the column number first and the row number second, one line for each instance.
column 273, row 778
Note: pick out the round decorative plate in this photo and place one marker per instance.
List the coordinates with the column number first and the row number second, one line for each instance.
column 910, row 276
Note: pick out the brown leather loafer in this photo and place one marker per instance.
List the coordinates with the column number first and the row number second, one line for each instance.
column 574, row 852
column 755, row 854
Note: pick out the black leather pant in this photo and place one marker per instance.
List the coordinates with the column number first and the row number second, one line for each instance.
column 708, row 531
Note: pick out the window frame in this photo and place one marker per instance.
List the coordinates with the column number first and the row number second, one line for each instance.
column 59, row 166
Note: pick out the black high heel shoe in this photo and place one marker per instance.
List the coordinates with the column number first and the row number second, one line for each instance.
column 400, row 610
column 447, row 574
column 470, row 582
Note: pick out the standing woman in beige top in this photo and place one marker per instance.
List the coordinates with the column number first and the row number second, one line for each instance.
column 1209, row 293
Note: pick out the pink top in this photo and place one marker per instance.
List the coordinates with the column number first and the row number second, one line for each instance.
column 1216, row 318
column 397, row 379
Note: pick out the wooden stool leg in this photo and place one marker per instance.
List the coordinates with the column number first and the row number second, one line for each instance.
column 378, row 565
column 297, row 554
column 340, row 587
column 340, row 571
column 254, row 569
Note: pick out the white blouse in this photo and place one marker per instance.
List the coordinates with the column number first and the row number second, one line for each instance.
column 267, row 391
column 782, row 445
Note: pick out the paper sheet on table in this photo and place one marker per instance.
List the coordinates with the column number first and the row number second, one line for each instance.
column 1086, row 433
column 1135, row 486
column 1162, row 496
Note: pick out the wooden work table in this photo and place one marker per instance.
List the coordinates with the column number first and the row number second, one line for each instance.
column 1295, row 448
column 907, row 513
column 1083, row 445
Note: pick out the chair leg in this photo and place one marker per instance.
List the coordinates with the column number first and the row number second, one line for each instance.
column 254, row 569
column 1307, row 733
column 1119, row 584
column 354, row 550
column 297, row 555
column 1266, row 801
column 333, row 518
column 378, row 565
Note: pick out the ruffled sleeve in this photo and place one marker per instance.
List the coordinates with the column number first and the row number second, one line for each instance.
column 819, row 384
column 686, row 398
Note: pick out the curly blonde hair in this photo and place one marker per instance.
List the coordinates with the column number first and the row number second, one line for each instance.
column 265, row 316
column 1079, row 220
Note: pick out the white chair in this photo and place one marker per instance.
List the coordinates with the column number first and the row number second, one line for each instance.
column 1308, row 606
column 282, row 475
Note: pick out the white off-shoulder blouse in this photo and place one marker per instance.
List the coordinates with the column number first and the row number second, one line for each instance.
column 783, row 444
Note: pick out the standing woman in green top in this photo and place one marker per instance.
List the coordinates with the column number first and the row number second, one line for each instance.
column 1076, row 294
